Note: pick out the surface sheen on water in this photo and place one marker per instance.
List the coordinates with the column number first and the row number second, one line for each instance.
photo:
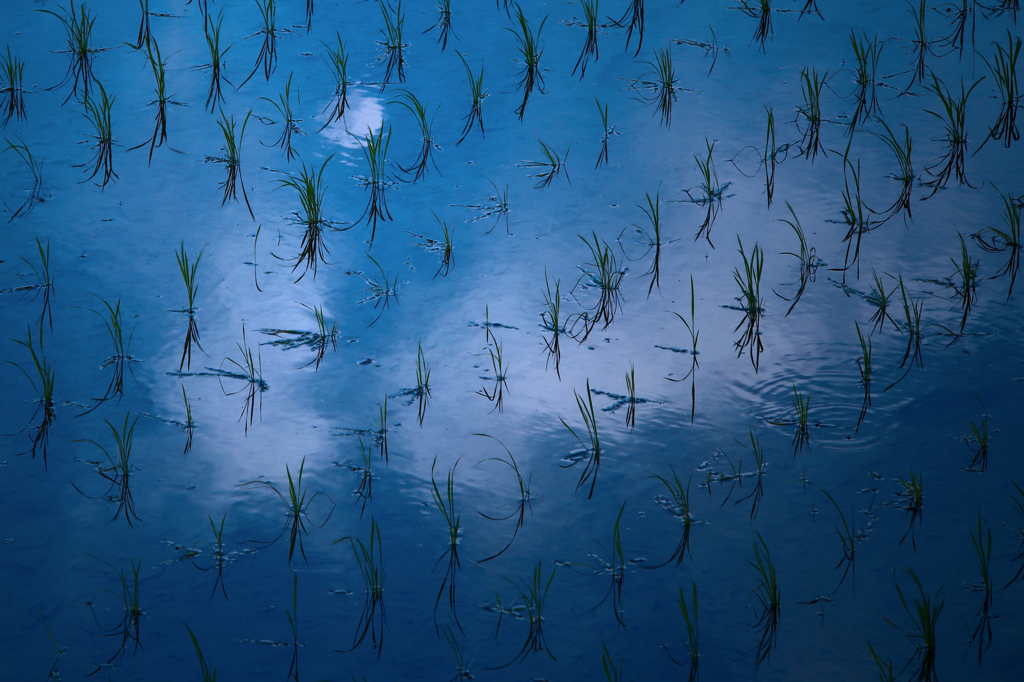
column 64, row 547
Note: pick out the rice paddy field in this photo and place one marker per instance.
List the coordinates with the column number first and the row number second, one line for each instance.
column 546, row 341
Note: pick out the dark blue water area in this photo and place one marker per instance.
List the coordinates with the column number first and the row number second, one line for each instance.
column 67, row 541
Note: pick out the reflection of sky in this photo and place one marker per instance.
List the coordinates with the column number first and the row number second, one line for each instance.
column 364, row 112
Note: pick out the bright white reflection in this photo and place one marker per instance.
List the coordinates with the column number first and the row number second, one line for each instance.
column 364, row 113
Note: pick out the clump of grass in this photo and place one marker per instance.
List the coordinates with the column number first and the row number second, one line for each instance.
column 965, row 281
column 906, row 175
column 913, row 493
column 12, row 72
column 117, row 470
column 811, row 85
column 290, row 124
column 444, row 22
column 365, row 490
column 679, row 505
column 762, row 11
column 880, row 299
column 498, row 206
column 552, row 166
column 311, row 189
column 446, row 247
column 296, row 507
column 866, row 54
column 979, row 440
column 912, row 311
column 801, row 405
column 370, row 559
column 662, row 85
column 380, row 435
column 1004, row 72
column 924, row 617
column 381, row 290
column 127, row 594
column 477, row 94
column 920, row 45
column 44, row 392
column 709, row 193
column 145, row 34
column 422, row 390
column 606, row 275
column 551, row 320
column 500, row 369
column 692, row 631
column 589, row 52
column 250, row 370
column 847, row 535
column 188, row 274
column 807, row 256
column 158, row 65
column 608, row 132
column 211, row 29
column 375, row 150
column 208, row 674
column 592, row 445
column 326, row 335
column 533, row 596
column 338, row 61
column 393, row 45
column 1018, row 503
column 98, row 114
column 458, row 650
column 958, row 24
column 864, row 367
column 710, row 47
column 996, row 240
column 691, row 328
column 425, row 158
column 769, row 597
column 982, row 543
column 653, row 213
column 445, row 504
column 531, row 49
column 78, row 28
column 36, row 168
column 953, row 115
column 635, row 14
column 751, row 303
column 523, row 502
column 112, row 320
column 232, row 159
column 270, row 32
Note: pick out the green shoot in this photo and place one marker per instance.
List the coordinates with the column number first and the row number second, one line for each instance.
column 443, row 26
column 811, row 85
column 288, row 120
column 78, row 28
column 370, row 560
column 533, row 595
column 98, row 114
column 608, row 131
column 592, row 446
column 232, row 159
column 531, row 49
column 606, row 275
column 208, row 675
column 478, row 94
column 1004, row 72
column 983, row 551
column 445, row 504
column 44, row 392
column 158, row 65
column 924, row 617
column 311, row 189
column 679, row 505
column 426, row 154
column 212, row 31
column 913, row 492
column 500, row 369
column 553, row 165
column 769, row 596
column 996, row 240
column 979, row 441
column 12, row 72
column 807, row 256
column 953, row 115
column 375, row 150
column 524, row 496
column 270, row 33
column 751, row 303
column 36, row 168
column 338, row 61
column 905, row 176
column 117, row 470
column 393, row 46
column 589, row 52
column 635, row 14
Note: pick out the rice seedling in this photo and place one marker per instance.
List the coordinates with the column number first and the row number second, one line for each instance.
column 533, row 596
column 375, row 150
column 920, row 46
column 40, row 434
column 611, row 673
column 444, row 22
column 250, row 370
column 211, row 29
column 762, row 11
column 208, row 674
column 188, row 275
column 592, row 445
column 801, row 405
column 419, row 167
column 296, row 507
column 127, row 594
column 885, row 670
column 477, row 95
column 393, row 45
column 498, row 206
column 635, row 14
column 270, row 32
column 847, row 535
column 751, row 303
column 964, row 281
column 551, row 320
column 220, row 557
column 982, row 544
column 337, row 59
column 381, row 290
column 122, row 351
column 807, row 256
column 293, row 623
column 912, row 310
column 856, row 215
column 810, row 7
column 662, row 85
column 12, row 72
column 589, row 52
column 445, row 504
column 653, row 213
column 232, row 159
column 1018, row 502
column 458, row 650
column 380, row 434
column 880, row 299
column 290, row 124
column 1004, row 72
column 43, row 282
column 996, row 240
column 757, row 450
column 979, row 440
column 370, row 560
column 311, row 189
column 958, row 24
column 607, row 276
column 866, row 54
column 864, row 367
column 691, row 328
column 525, row 500
column 552, row 166
column 422, row 382
column 679, row 505
column 97, row 112
column 318, row 341
column 769, row 597
column 631, row 399
column 500, row 369
column 710, row 47
column 158, row 66
column 78, row 29
column 145, row 35
column 906, row 174
column 810, row 86
column 117, row 470
column 709, row 192
column 608, row 132
column 531, row 48
column 446, row 248
column 913, row 493
column 36, row 168
column 924, row 617
column 770, row 157
column 954, row 118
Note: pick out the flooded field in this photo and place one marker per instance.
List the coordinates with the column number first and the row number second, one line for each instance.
column 544, row 341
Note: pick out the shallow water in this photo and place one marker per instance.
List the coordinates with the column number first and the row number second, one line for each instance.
column 64, row 542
